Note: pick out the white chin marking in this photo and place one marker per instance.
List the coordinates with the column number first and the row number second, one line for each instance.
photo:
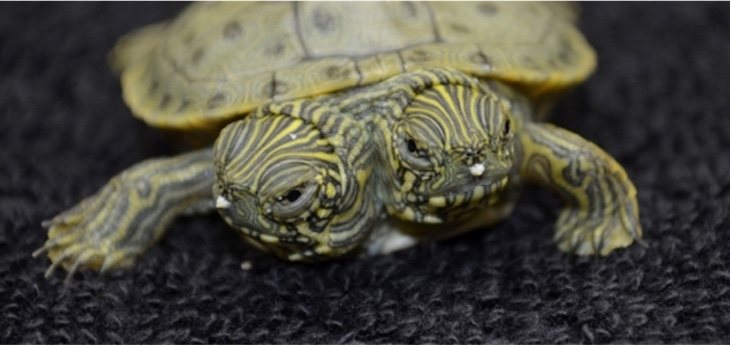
column 222, row 202
column 477, row 169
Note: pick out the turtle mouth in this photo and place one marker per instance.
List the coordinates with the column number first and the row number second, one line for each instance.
column 251, row 228
column 287, row 247
column 268, row 237
column 466, row 193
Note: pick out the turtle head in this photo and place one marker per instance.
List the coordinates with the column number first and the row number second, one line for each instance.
column 284, row 186
column 453, row 152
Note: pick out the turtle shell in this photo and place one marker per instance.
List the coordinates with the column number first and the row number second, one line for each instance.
column 216, row 62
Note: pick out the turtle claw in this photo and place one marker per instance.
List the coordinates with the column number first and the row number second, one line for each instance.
column 54, row 265
column 38, row 252
column 113, row 227
column 80, row 261
column 56, row 221
column 83, row 237
column 65, row 257
column 106, row 266
column 70, row 216
column 48, row 246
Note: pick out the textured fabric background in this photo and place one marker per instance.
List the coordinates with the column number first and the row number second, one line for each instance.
column 658, row 103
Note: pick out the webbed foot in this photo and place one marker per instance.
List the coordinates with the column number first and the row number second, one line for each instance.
column 97, row 233
column 113, row 228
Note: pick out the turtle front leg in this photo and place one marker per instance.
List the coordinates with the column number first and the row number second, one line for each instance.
column 602, row 213
column 112, row 228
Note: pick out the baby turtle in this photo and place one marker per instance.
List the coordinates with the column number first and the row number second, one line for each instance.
column 328, row 115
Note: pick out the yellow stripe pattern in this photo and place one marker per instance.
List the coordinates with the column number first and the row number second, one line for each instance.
column 308, row 179
column 602, row 212
column 310, row 148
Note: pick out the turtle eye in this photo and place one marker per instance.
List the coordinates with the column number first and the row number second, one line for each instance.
column 412, row 148
column 292, row 195
column 414, row 156
column 294, row 202
column 506, row 129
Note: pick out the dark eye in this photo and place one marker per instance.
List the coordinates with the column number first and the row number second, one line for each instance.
column 290, row 196
column 412, row 148
column 417, row 157
column 293, row 195
column 506, row 130
column 294, row 202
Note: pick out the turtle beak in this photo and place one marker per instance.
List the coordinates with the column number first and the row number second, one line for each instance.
column 222, row 203
column 495, row 170
column 477, row 170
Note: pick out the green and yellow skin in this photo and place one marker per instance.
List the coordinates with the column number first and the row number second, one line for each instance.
column 297, row 179
column 459, row 146
column 309, row 179
column 110, row 229
column 294, row 178
column 332, row 110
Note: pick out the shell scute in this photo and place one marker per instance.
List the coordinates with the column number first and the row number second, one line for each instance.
column 194, row 72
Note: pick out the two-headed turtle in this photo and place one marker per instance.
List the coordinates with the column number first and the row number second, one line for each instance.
column 336, row 114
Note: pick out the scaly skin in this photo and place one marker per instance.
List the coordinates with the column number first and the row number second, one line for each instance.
column 299, row 178
column 602, row 213
column 218, row 63
column 453, row 135
column 295, row 178
column 112, row 228
column 304, row 147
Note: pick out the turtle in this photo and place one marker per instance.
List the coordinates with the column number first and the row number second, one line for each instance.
column 316, row 143
column 458, row 148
